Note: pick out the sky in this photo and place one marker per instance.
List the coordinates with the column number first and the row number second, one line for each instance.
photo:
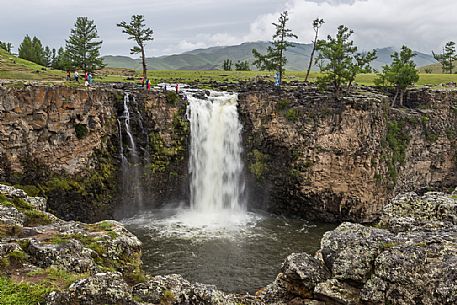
column 184, row 25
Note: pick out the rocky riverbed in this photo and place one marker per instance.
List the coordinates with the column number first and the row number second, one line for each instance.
column 409, row 257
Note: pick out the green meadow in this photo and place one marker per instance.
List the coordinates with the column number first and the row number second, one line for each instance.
column 14, row 68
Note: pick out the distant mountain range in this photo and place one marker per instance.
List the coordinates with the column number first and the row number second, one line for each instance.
column 213, row 58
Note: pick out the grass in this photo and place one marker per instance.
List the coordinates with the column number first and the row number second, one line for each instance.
column 12, row 293
column 34, row 217
column 13, row 68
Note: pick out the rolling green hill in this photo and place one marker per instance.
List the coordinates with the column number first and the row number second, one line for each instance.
column 12, row 67
column 212, row 58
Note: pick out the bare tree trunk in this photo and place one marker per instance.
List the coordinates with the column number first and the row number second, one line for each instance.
column 144, row 65
column 396, row 96
column 312, row 56
column 402, row 94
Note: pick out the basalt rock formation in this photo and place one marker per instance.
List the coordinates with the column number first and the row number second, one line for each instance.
column 313, row 156
column 410, row 257
column 63, row 142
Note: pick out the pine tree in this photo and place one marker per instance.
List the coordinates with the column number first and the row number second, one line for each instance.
column 138, row 32
column 227, row 65
column 47, row 57
column 401, row 73
column 317, row 23
column 275, row 59
column 25, row 50
column 7, row 46
column 32, row 50
column 447, row 58
column 62, row 60
column 242, row 66
column 82, row 47
column 339, row 60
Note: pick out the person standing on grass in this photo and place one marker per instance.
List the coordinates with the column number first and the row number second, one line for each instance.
column 76, row 75
column 89, row 78
column 177, row 88
column 68, row 78
column 148, row 84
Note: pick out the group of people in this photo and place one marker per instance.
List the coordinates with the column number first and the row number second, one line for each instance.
column 147, row 85
column 88, row 79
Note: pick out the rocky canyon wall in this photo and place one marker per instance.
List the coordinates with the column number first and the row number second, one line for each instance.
column 312, row 156
column 63, row 142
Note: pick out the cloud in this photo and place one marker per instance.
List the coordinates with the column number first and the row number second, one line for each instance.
column 181, row 25
column 419, row 24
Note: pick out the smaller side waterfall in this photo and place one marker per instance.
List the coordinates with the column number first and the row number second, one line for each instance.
column 132, row 189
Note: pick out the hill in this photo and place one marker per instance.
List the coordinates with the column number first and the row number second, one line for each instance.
column 12, row 67
column 212, row 58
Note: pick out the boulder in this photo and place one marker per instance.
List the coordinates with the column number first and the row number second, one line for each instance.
column 334, row 291
column 70, row 255
column 102, row 288
column 300, row 273
column 350, row 250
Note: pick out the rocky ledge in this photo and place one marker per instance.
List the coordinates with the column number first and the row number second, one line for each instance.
column 408, row 257
column 46, row 260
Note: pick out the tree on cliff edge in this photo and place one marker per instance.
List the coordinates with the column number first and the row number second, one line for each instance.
column 340, row 62
column 317, row 23
column 400, row 74
column 82, row 48
column 275, row 59
column 138, row 31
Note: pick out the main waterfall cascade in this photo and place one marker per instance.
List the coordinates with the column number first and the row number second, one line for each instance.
column 215, row 165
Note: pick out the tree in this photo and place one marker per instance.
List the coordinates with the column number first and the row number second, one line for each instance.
column 31, row 49
column 138, row 32
column 401, row 73
column 62, row 60
column 242, row 66
column 82, row 47
column 447, row 58
column 227, row 65
column 7, row 46
column 340, row 62
column 275, row 58
column 317, row 23
column 47, row 56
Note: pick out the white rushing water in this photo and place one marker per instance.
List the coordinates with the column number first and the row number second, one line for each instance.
column 215, row 166
column 215, row 154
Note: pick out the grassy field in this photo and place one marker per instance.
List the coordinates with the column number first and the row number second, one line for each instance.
column 13, row 68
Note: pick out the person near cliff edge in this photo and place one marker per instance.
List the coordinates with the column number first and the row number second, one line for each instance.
column 89, row 78
column 148, row 84
column 76, row 75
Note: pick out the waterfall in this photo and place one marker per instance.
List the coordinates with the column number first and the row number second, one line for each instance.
column 215, row 162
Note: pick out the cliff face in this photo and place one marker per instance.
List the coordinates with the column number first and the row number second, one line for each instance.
column 58, row 127
column 64, row 143
column 333, row 160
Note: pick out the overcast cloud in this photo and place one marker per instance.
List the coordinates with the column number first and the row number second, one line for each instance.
column 182, row 25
